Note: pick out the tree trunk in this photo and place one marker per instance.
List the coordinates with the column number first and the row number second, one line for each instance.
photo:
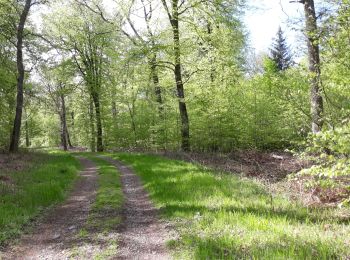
column 158, row 96
column 63, row 124
column 92, row 127
column 114, row 108
column 68, row 138
column 185, row 129
column 16, row 131
column 27, row 131
column 96, row 99
column 211, row 59
column 314, row 66
column 157, row 89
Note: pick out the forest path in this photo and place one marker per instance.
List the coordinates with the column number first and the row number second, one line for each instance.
column 142, row 234
column 55, row 236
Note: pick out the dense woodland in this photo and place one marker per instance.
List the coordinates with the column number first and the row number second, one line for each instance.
column 102, row 102
column 172, row 75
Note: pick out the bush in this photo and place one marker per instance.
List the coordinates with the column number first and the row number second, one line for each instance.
column 329, row 151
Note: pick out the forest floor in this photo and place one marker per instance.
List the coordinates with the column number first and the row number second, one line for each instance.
column 272, row 169
column 219, row 215
column 107, row 215
column 137, row 206
column 143, row 236
column 16, row 162
column 266, row 166
column 54, row 236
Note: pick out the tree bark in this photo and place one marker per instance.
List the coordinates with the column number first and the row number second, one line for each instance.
column 114, row 108
column 92, row 127
column 96, row 99
column 159, row 99
column 63, row 123
column 27, row 131
column 16, row 131
column 157, row 88
column 69, row 141
column 314, row 66
column 211, row 60
column 185, row 128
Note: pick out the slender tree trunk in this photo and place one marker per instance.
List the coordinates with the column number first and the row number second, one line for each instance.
column 314, row 66
column 92, row 127
column 69, row 141
column 211, row 59
column 157, row 89
column 16, row 131
column 154, row 70
column 185, row 128
column 114, row 109
column 96, row 100
column 63, row 123
column 72, row 117
column 27, row 131
column 159, row 98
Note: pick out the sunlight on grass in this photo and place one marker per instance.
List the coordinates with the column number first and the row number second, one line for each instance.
column 43, row 185
column 224, row 217
column 109, row 199
column 104, row 217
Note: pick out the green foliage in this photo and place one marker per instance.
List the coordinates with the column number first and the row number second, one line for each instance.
column 32, row 190
column 220, row 216
column 229, row 108
column 7, row 93
column 330, row 152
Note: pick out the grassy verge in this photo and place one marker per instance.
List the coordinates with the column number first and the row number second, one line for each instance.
column 105, row 215
column 224, row 217
column 109, row 197
column 25, row 193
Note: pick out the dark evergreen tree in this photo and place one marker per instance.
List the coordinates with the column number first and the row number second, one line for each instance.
column 280, row 51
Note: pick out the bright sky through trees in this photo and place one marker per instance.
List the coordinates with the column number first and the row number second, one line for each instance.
column 264, row 18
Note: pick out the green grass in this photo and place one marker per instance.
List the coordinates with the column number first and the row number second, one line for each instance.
column 104, row 218
column 44, row 184
column 105, row 210
column 221, row 216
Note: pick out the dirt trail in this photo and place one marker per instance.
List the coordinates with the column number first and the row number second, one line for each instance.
column 55, row 236
column 143, row 235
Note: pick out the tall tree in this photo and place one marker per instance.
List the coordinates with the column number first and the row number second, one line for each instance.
column 85, row 38
column 280, row 52
column 153, row 59
column 16, row 131
column 173, row 14
column 89, row 59
column 314, row 65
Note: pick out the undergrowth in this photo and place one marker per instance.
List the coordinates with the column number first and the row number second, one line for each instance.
column 329, row 177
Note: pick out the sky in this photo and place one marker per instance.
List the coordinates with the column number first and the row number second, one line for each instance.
column 265, row 16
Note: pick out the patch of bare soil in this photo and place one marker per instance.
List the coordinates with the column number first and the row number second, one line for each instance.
column 267, row 166
column 17, row 162
column 312, row 194
column 143, row 235
column 55, row 236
